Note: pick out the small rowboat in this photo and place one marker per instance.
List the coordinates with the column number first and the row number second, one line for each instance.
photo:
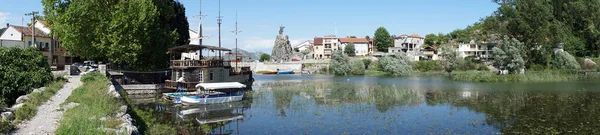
column 285, row 72
column 269, row 73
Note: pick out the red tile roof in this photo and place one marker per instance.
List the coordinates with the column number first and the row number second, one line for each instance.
column 354, row 40
column 318, row 41
column 415, row 36
column 28, row 32
column 43, row 22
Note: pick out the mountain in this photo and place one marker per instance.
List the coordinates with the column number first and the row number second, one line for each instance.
column 246, row 54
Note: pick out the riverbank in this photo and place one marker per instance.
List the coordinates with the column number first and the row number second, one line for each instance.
column 529, row 76
column 98, row 111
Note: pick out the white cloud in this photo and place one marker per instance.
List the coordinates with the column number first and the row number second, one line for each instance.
column 3, row 17
column 265, row 45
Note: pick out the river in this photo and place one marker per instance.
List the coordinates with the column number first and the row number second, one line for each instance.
column 294, row 104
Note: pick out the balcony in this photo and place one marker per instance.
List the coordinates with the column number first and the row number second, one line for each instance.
column 327, row 51
column 199, row 63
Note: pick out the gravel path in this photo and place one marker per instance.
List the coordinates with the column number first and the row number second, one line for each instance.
column 46, row 119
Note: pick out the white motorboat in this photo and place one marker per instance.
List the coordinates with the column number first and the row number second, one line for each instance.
column 212, row 93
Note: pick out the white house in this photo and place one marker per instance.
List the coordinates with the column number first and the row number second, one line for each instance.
column 304, row 45
column 482, row 50
column 411, row 45
column 361, row 45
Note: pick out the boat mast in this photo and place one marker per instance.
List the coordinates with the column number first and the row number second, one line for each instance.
column 219, row 21
column 236, row 31
column 200, row 36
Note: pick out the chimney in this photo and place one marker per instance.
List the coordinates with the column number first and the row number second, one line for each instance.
column 7, row 25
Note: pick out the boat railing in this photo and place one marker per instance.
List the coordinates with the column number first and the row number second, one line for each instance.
column 199, row 63
column 187, row 86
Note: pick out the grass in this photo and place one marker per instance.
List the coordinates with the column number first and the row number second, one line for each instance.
column 29, row 108
column 530, row 76
column 95, row 103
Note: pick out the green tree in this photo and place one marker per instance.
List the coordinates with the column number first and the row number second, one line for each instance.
column 349, row 49
column 368, row 38
column 122, row 31
column 340, row 63
column 450, row 60
column 264, row 57
column 430, row 39
column 21, row 70
column 507, row 56
column 383, row 40
column 351, row 36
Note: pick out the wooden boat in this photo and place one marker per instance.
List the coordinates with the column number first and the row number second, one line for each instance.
column 213, row 93
column 269, row 73
column 285, row 72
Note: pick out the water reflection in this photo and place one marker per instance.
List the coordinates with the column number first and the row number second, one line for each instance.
column 337, row 106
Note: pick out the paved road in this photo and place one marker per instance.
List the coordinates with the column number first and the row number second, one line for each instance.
column 47, row 117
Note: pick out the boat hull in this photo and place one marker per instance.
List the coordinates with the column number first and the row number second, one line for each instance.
column 269, row 73
column 210, row 100
column 285, row 72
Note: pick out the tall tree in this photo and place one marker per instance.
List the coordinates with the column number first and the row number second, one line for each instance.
column 137, row 32
column 349, row 49
column 383, row 39
column 368, row 38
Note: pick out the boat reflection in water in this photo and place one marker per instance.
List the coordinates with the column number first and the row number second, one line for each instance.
column 216, row 118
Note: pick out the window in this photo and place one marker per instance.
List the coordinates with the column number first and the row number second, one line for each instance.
column 200, row 76
column 211, row 76
column 29, row 43
column 47, row 45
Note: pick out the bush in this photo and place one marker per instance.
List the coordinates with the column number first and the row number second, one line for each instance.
column 537, row 67
column 367, row 62
column 429, row 65
column 21, row 70
column 92, row 77
column 6, row 126
column 397, row 65
column 357, row 68
column 565, row 61
column 507, row 56
column 340, row 63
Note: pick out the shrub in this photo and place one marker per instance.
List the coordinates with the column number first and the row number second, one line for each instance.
column 26, row 112
column 397, row 65
column 429, row 65
column 507, row 56
column 357, row 68
column 367, row 62
column 565, row 61
column 588, row 64
column 92, row 77
column 537, row 67
column 21, row 70
column 6, row 126
column 340, row 63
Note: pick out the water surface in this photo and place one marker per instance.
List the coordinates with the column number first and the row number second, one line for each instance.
column 295, row 104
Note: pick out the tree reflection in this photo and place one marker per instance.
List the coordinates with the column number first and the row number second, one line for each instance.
column 531, row 112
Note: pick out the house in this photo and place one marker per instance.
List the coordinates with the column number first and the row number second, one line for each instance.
column 324, row 46
column 481, row 50
column 361, row 45
column 430, row 53
column 304, row 45
column 406, row 43
column 411, row 45
column 21, row 36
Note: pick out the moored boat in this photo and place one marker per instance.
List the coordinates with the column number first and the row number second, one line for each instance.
column 269, row 72
column 213, row 93
column 285, row 72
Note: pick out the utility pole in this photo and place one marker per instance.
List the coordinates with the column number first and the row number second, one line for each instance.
column 32, row 14
column 236, row 31
column 219, row 21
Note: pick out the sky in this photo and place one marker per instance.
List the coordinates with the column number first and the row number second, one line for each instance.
column 259, row 20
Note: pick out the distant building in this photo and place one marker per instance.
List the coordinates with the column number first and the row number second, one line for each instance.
column 481, row 50
column 361, row 45
column 21, row 36
column 430, row 53
column 304, row 45
column 411, row 45
column 324, row 46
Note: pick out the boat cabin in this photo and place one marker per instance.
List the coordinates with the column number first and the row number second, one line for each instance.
column 190, row 68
